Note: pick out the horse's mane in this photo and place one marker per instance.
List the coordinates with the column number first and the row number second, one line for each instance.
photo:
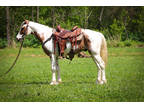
column 42, row 25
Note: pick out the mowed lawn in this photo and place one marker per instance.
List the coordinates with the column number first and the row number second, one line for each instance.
column 29, row 79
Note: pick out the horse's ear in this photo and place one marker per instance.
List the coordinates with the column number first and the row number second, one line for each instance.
column 26, row 21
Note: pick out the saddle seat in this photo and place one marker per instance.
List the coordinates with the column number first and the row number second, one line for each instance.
column 62, row 36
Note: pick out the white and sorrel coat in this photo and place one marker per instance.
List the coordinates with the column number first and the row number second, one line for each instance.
column 93, row 41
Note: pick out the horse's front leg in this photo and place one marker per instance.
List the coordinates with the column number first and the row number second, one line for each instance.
column 54, row 69
column 58, row 72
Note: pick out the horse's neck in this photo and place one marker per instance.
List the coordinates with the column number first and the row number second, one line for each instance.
column 41, row 29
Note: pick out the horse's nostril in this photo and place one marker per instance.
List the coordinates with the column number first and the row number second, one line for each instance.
column 17, row 39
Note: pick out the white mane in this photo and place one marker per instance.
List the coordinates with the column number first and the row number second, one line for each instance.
column 40, row 27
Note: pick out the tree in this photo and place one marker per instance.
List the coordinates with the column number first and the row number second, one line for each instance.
column 37, row 18
column 13, row 27
column 87, row 16
column 100, row 17
column 8, row 26
column 53, row 17
column 32, row 13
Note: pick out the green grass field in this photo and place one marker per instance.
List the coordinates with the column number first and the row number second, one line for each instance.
column 29, row 79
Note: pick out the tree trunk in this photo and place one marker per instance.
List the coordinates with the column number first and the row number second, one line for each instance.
column 101, row 14
column 87, row 17
column 32, row 13
column 13, row 44
column 8, row 26
column 125, row 24
column 86, row 20
column 100, row 18
column 53, row 17
column 37, row 18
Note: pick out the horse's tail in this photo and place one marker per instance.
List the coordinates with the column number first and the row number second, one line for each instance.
column 103, row 50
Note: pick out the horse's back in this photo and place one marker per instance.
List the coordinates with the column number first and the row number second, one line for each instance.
column 94, row 36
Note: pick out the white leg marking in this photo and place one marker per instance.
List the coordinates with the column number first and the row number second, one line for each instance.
column 53, row 67
column 101, row 69
column 58, row 72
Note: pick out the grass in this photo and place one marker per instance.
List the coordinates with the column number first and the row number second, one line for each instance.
column 29, row 79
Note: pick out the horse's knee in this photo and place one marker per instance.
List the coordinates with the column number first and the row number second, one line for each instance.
column 54, row 68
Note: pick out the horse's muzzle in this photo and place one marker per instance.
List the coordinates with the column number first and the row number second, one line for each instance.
column 18, row 39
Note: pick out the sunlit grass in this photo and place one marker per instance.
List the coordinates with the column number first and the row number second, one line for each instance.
column 29, row 79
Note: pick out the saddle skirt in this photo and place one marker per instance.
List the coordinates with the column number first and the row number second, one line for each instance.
column 62, row 36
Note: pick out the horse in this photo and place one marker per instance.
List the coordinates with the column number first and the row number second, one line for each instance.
column 93, row 41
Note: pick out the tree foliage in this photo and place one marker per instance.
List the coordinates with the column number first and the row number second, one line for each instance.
column 116, row 23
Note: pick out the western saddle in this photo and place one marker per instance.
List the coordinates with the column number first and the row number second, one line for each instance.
column 61, row 36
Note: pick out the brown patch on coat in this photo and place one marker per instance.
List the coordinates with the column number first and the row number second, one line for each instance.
column 40, row 37
column 87, row 41
column 82, row 44
column 23, row 30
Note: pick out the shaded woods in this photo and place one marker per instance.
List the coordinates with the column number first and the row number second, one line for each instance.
column 122, row 26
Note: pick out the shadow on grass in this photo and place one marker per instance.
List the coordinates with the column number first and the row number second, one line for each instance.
column 37, row 83
column 25, row 83
column 63, row 83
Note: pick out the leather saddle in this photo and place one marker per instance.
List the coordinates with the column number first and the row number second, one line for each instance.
column 64, row 34
column 61, row 36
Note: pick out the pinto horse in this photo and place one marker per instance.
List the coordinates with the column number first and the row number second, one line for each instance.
column 93, row 41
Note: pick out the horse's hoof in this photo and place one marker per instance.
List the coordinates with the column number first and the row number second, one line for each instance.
column 99, row 82
column 104, row 81
column 54, row 83
column 59, row 81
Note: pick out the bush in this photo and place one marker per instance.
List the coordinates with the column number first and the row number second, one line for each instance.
column 3, row 43
column 120, row 44
column 127, row 43
column 31, row 41
column 117, row 29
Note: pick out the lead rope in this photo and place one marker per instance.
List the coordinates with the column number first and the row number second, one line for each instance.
column 15, row 60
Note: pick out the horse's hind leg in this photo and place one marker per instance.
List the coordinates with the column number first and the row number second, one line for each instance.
column 101, row 68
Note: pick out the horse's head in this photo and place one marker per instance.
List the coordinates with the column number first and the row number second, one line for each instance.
column 24, row 30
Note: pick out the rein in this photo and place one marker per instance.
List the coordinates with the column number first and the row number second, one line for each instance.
column 15, row 59
column 46, row 41
column 19, row 54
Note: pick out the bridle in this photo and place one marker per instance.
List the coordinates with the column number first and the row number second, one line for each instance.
column 25, row 32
